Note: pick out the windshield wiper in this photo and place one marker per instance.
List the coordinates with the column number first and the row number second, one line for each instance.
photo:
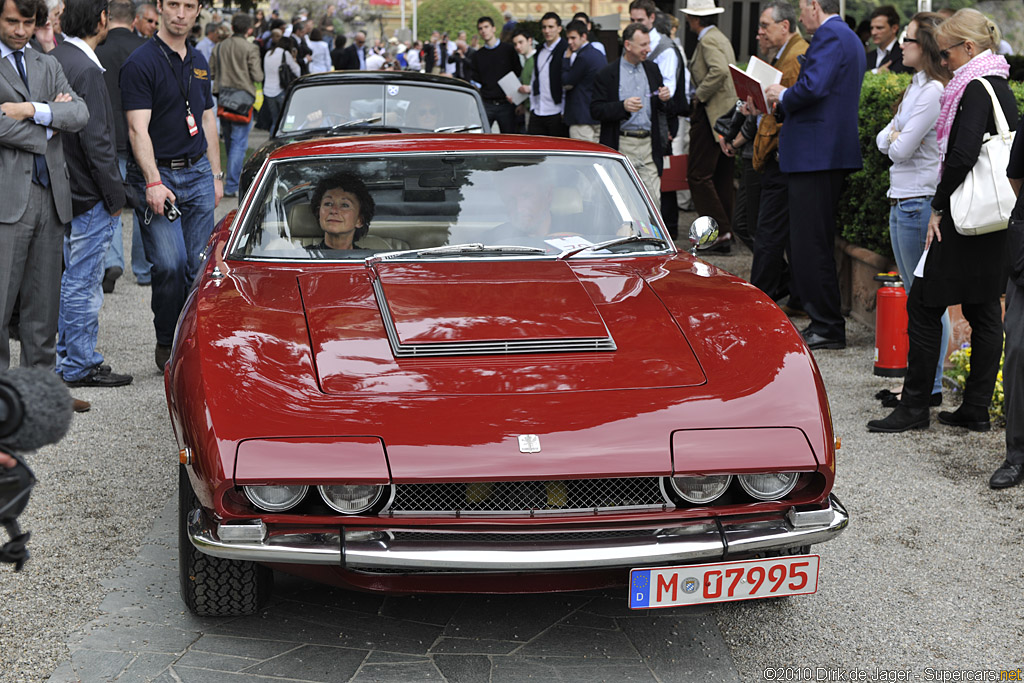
column 358, row 122
column 469, row 248
column 610, row 243
column 456, row 129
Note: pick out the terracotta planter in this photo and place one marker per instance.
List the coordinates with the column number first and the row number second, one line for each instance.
column 857, row 267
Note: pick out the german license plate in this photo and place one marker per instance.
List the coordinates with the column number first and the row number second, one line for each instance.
column 723, row 581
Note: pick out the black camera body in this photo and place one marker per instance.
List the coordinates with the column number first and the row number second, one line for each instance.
column 172, row 212
column 15, row 487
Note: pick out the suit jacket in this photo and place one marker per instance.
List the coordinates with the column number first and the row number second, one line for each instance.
column 304, row 51
column 894, row 59
column 578, row 81
column 820, row 110
column 606, row 107
column 91, row 154
column 767, row 139
column 120, row 43
column 349, row 60
column 709, row 69
column 20, row 140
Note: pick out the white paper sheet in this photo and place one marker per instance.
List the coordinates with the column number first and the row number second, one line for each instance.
column 510, row 84
column 919, row 270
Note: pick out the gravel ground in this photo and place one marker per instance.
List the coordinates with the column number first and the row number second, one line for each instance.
column 99, row 491
column 929, row 572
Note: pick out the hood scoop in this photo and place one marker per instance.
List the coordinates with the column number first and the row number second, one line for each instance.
column 487, row 308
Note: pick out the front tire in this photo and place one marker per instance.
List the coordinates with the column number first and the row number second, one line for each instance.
column 215, row 586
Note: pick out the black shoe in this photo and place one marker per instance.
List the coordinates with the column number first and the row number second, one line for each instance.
column 816, row 341
column 974, row 418
column 900, row 420
column 110, row 276
column 98, row 378
column 161, row 355
column 893, row 400
column 1006, row 476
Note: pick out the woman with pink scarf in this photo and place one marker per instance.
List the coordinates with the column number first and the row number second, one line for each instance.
column 970, row 271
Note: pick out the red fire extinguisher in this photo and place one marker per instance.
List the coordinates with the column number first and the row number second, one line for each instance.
column 891, row 340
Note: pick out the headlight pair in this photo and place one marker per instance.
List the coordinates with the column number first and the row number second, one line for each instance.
column 762, row 486
column 348, row 499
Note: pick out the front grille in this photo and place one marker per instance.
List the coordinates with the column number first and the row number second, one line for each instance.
column 519, row 497
column 533, row 539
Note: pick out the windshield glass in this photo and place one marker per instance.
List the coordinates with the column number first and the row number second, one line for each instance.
column 387, row 104
column 351, row 207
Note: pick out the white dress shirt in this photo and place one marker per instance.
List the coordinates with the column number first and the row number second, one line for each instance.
column 909, row 140
column 667, row 61
column 544, row 104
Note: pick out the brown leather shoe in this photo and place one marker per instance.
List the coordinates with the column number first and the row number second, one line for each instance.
column 80, row 406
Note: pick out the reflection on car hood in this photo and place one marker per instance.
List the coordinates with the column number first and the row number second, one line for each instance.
column 542, row 308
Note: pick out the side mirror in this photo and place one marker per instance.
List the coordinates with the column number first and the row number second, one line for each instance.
column 703, row 233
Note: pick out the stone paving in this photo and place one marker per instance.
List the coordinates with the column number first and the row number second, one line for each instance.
column 311, row 632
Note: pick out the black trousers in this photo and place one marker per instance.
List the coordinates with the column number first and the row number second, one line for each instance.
column 504, row 112
column 552, row 125
column 813, row 199
column 748, row 200
column 924, row 326
column 769, row 271
column 709, row 173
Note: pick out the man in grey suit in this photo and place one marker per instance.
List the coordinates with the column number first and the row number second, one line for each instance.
column 36, row 104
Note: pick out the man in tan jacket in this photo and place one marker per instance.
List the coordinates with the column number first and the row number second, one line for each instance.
column 778, row 33
column 709, row 171
column 235, row 63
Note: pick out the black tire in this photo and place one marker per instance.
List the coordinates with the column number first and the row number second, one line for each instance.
column 214, row 586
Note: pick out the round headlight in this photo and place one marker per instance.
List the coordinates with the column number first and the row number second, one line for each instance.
column 701, row 490
column 351, row 499
column 275, row 498
column 770, row 485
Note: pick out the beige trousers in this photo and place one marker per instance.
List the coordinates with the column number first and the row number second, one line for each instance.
column 585, row 131
column 638, row 151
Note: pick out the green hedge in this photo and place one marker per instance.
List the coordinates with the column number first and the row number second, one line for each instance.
column 864, row 208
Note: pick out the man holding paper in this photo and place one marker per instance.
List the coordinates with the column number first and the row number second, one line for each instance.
column 491, row 62
column 777, row 32
column 818, row 146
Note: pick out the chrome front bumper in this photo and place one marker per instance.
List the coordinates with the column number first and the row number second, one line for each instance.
column 414, row 550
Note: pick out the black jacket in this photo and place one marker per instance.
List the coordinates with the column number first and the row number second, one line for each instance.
column 963, row 269
column 349, row 59
column 554, row 70
column 607, row 108
column 90, row 154
column 894, row 60
column 578, row 79
column 120, row 43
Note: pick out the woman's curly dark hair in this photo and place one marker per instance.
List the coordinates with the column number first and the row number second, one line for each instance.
column 348, row 182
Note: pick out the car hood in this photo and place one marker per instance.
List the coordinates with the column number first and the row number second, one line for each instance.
column 492, row 327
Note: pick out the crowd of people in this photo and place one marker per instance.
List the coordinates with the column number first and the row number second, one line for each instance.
column 134, row 100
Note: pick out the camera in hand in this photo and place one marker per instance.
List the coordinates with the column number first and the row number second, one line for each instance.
column 35, row 410
column 171, row 211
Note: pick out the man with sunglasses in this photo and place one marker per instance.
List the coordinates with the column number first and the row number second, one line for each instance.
column 818, row 146
column 146, row 19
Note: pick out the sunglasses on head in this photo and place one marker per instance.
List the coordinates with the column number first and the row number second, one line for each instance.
column 945, row 53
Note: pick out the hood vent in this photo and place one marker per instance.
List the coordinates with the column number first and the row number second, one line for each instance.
column 495, row 347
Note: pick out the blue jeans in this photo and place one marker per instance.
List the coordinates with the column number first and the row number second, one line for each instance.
column 236, row 142
column 173, row 247
column 115, row 255
column 908, row 227
column 86, row 242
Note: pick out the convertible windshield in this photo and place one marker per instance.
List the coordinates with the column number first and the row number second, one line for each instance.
column 443, row 205
column 426, row 108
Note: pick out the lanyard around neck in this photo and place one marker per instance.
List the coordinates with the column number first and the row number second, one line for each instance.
column 177, row 81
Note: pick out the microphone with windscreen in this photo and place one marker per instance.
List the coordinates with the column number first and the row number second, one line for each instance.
column 35, row 410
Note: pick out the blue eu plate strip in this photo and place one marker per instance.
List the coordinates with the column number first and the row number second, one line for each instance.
column 640, row 588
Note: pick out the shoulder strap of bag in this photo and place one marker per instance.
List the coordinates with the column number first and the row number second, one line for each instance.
column 997, row 110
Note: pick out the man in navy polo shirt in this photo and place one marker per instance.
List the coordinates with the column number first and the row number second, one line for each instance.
column 172, row 126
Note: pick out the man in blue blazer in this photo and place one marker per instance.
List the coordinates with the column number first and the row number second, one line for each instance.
column 579, row 67
column 818, row 146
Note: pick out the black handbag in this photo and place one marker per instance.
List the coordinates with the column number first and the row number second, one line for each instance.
column 235, row 101
column 729, row 124
column 285, row 74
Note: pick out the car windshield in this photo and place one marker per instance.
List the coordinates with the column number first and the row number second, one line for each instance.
column 420, row 107
column 444, row 205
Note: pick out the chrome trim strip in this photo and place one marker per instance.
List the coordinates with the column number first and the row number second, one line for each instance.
column 528, row 513
column 493, row 348
column 688, row 542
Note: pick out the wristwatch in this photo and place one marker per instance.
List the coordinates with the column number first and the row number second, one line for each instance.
column 939, row 212
column 218, row 176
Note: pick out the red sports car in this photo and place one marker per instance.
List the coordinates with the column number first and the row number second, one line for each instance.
column 470, row 363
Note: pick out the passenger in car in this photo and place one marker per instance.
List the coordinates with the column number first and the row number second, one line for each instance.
column 426, row 115
column 343, row 207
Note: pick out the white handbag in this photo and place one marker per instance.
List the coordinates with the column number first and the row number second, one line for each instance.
column 983, row 202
